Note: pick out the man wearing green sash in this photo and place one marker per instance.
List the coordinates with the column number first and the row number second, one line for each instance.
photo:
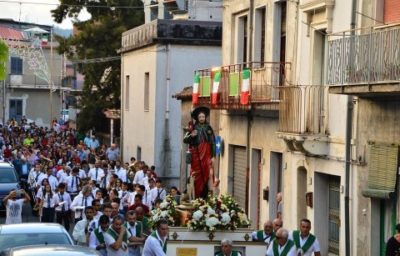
column 96, row 239
column 306, row 243
column 135, row 228
column 226, row 247
column 282, row 246
column 266, row 235
column 116, row 238
column 156, row 243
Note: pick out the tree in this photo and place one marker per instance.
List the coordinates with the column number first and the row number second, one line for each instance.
column 3, row 59
column 96, row 38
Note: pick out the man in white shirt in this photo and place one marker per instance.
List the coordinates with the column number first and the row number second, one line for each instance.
column 117, row 238
column 96, row 173
column 14, row 205
column 156, row 243
column 227, row 249
column 305, row 242
column 135, row 228
column 96, row 238
column 266, row 235
column 120, row 171
column 81, row 230
column 282, row 245
column 53, row 182
column 73, row 182
column 82, row 201
column 159, row 192
column 63, row 205
column 139, row 175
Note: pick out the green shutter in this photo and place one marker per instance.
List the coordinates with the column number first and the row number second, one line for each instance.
column 382, row 172
column 234, row 84
column 205, row 82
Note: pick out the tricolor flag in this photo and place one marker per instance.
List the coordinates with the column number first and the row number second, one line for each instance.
column 195, row 94
column 214, row 95
column 45, row 39
column 244, row 94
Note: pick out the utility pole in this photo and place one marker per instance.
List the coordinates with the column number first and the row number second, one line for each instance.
column 51, row 78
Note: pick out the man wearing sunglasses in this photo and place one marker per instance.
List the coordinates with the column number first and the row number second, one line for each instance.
column 282, row 245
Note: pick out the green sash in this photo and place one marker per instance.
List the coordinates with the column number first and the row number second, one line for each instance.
column 260, row 236
column 139, row 228
column 310, row 241
column 99, row 235
column 234, row 253
column 285, row 251
column 115, row 235
column 153, row 234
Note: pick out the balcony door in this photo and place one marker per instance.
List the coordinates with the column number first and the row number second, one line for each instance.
column 15, row 110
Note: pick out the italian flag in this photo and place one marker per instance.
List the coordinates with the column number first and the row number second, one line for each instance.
column 195, row 94
column 244, row 94
column 45, row 39
column 214, row 95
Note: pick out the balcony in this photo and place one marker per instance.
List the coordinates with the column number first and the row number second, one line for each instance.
column 365, row 65
column 302, row 119
column 31, row 81
column 262, row 78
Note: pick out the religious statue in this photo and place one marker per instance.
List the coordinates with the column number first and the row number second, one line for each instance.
column 201, row 140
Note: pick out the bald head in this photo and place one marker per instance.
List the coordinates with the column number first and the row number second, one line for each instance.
column 282, row 236
column 277, row 224
column 268, row 227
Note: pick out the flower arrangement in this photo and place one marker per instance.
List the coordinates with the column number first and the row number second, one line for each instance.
column 165, row 211
column 217, row 213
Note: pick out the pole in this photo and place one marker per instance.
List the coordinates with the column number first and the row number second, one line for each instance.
column 51, row 78
column 4, row 102
column 111, row 130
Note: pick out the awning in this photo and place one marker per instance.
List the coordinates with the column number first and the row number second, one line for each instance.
column 382, row 172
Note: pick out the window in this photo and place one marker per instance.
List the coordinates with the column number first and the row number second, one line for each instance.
column 241, row 39
column 16, row 66
column 139, row 153
column 146, row 91
column 127, row 93
column 259, row 41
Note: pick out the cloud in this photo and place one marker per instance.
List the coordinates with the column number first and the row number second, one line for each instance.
column 36, row 11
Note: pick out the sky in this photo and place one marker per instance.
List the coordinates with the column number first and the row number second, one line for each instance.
column 35, row 11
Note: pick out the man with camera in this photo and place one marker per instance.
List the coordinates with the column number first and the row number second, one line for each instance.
column 14, row 202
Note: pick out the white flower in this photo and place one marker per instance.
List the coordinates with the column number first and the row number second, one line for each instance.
column 211, row 222
column 233, row 212
column 210, row 211
column 164, row 214
column 197, row 215
column 225, row 218
column 164, row 205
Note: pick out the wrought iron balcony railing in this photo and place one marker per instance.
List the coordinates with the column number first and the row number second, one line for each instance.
column 301, row 109
column 31, row 81
column 240, row 86
column 370, row 58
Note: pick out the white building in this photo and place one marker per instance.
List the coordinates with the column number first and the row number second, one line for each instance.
column 158, row 60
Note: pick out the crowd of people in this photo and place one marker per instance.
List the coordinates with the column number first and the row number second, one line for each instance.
column 73, row 178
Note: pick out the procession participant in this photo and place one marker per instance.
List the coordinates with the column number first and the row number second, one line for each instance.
column 73, row 183
column 123, row 194
column 139, row 203
column 51, row 178
column 159, row 192
column 82, row 229
column 305, row 242
column 96, row 238
column 282, row 245
column 63, row 205
column 47, row 204
column 80, row 202
column 107, row 211
column 96, row 173
column 120, row 171
column 140, row 216
column 277, row 224
column 135, row 228
column 96, row 206
column 14, row 202
column 200, row 137
column 112, row 153
column 393, row 244
column 226, row 249
column 156, row 243
column 266, row 235
column 117, row 238
column 139, row 175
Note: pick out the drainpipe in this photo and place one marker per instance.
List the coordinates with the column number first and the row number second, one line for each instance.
column 249, row 112
column 349, row 131
column 167, row 139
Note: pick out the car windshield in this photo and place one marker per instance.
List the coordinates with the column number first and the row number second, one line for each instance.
column 7, row 175
column 8, row 241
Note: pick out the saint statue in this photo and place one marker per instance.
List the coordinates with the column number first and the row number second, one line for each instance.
column 201, row 140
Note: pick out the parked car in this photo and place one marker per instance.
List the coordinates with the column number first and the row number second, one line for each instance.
column 9, row 180
column 16, row 235
column 53, row 250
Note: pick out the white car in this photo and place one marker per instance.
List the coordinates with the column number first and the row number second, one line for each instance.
column 15, row 235
column 53, row 250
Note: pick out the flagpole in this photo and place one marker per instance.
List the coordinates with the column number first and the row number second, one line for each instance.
column 51, row 77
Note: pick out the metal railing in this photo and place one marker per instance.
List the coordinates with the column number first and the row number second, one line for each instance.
column 301, row 109
column 373, row 57
column 32, row 81
column 265, row 78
